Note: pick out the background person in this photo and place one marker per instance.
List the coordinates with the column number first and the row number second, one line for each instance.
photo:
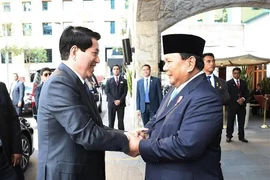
column 218, row 83
column 44, row 75
column 239, row 93
column 17, row 89
column 149, row 95
column 116, row 90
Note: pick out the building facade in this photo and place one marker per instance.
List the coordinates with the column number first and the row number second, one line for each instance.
column 39, row 23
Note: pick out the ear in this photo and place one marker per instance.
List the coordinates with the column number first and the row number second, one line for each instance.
column 73, row 52
column 191, row 63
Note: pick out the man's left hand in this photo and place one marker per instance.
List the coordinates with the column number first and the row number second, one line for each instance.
column 16, row 159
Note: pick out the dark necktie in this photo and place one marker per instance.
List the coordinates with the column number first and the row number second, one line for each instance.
column 208, row 79
column 87, row 88
column 238, row 84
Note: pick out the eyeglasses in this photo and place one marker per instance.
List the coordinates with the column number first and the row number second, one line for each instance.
column 47, row 74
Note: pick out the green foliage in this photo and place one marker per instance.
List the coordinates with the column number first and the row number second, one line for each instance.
column 15, row 50
column 246, row 77
column 35, row 55
column 128, row 75
column 266, row 85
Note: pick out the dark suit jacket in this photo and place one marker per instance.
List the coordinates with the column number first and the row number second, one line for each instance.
column 235, row 92
column 115, row 92
column 37, row 93
column 184, row 137
column 221, row 87
column 10, row 130
column 155, row 94
column 18, row 93
column 72, row 138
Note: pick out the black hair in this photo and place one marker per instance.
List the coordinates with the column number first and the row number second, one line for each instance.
column 79, row 36
column 44, row 69
column 236, row 69
column 116, row 65
column 208, row 54
column 199, row 62
column 147, row 65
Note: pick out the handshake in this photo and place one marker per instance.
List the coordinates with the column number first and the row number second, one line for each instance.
column 134, row 138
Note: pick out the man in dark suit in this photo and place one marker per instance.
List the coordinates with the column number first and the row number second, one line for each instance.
column 44, row 75
column 184, row 135
column 116, row 90
column 17, row 94
column 149, row 95
column 237, row 106
column 72, row 139
column 218, row 83
column 10, row 139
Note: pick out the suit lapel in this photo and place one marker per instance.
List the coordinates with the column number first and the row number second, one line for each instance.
column 86, row 99
column 179, row 97
column 89, row 101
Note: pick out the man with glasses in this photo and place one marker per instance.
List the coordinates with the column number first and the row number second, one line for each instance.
column 237, row 106
column 44, row 74
column 218, row 83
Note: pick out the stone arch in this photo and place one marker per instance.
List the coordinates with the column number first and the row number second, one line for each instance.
column 154, row 16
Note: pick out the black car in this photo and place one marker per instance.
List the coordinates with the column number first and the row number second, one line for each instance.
column 27, row 142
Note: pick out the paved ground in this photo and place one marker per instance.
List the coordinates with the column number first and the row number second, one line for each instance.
column 240, row 161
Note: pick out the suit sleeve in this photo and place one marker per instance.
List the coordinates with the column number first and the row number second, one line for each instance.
column 225, row 93
column 201, row 123
column 159, row 92
column 21, row 95
column 138, row 97
column 37, row 94
column 108, row 91
column 14, row 125
column 77, row 120
column 125, row 90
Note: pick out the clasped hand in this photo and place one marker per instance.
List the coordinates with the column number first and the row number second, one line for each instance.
column 134, row 139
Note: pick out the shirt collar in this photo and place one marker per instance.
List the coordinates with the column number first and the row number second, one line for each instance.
column 178, row 89
column 82, row 80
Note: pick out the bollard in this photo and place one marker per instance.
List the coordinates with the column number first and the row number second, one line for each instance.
column 264, row 125
column 224, row 118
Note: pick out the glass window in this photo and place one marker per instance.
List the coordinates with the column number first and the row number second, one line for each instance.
column 26, row 6
column 6, row 28
column 112, row 27
column 6, row 6
column 3, row 58
column 47, row 28
column 126, row 4
column 44, row 6
column 112, row 4
column 27, row 29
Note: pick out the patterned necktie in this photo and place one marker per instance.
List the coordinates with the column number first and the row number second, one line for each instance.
column 146, row 92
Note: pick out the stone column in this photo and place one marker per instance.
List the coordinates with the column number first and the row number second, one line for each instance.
column 147, row 46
